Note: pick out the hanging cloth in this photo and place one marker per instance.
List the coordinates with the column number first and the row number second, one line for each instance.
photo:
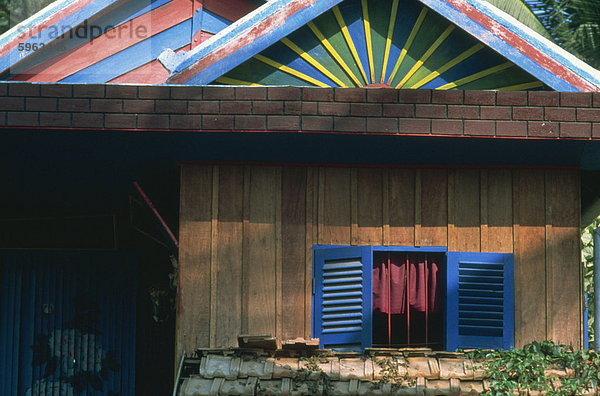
column 390, row 283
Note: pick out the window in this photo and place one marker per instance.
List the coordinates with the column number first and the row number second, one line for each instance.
column 477, row 299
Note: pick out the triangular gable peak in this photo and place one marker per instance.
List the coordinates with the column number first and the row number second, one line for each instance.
column 100, row 41
column 437, row 44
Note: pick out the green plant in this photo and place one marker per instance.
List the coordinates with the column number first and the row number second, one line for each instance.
column 536, row 367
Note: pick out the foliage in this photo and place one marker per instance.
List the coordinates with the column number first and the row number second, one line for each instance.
column 15, row 11
column 519, row 10
column 587, row 259
column 573, row 24
column 531, row 368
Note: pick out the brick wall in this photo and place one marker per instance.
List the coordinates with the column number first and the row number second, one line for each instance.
column 345, row 110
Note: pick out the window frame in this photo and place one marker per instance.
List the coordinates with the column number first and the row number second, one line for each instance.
column 448, row 342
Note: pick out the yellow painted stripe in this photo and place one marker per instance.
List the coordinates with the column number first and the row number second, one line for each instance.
column 289, row 70
column 367, row 26
column 449, row 65
column 522, row 87
column 388, row 42
column 333, row 53
column 426, row 55
column 313, row 62
column 340, row 21
column 476, row 76
column 408, row 43
column 233, row 81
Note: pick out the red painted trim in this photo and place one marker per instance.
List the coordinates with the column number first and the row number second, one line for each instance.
column 150, row 73
column 43, row 25
column 524, row 47
column 230, row 9
column 393, row 166
column 522, row 138
column 245, row 38
column 86, row 54
column 155, row 211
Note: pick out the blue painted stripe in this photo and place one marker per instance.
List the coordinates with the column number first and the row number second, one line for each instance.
column 120, row 15
column 496, row 43
column 549, row 48
column 238, row 28
column 477, row 62
column 53, row 32
column 34, row 21
column 153, row 5
column 287, row 57
column 406, row 19
column 210, row 22
column 353, row 17
column 134, row 56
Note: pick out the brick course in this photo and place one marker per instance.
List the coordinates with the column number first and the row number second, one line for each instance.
column 536, row 114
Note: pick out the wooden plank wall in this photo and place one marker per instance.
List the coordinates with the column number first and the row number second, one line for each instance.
column 247, row 234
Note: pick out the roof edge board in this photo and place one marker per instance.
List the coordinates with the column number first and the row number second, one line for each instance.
column 539, row 41
column 37, row 28
column 553, row 78
column 245, row 38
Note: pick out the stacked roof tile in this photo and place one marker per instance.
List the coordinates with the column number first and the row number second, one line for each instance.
column 320, row 372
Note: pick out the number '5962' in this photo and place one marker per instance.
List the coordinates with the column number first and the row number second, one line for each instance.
column 30, row 47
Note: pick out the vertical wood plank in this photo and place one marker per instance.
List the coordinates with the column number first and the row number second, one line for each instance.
column 434, row 207
column 565, row 309
column 385, row 206
column 451, row 209
column 402, row 189
column 499, row 204
column 294, row 231
column 245, row 248
column 548, row 194
column 335, row 206
column 483, row 210
column 464, row 205
column 370, row 206
column 312, row 201
column 261, row 250
column 320, row 204
column 354, row 237
column 214, row 243
column 229, row 255
column 530, row 260
column 194, row 258
column 418, row 206
column 264, row 187
column 278, row 255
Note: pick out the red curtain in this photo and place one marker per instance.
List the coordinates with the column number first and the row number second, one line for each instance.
column 390, row 283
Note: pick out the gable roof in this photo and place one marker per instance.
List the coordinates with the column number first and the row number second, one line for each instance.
column 276, row 19
column 100, row 41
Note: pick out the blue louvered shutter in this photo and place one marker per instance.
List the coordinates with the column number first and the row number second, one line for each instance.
column 480, row 301
column 342, row 297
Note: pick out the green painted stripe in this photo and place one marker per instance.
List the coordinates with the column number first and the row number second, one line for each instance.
column 475, row 77
column 433, row 27
column 330, row 49
column 329, row 27
column 388, row 39
column 408, row 44
column 367, row 27
column 349, row 42
column 257, row 72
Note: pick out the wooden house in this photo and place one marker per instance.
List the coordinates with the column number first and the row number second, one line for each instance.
column 404, row 173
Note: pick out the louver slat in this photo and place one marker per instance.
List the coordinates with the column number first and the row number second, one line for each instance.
column 342, row 300
column 480, row 301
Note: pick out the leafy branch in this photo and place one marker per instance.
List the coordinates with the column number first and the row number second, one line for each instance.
column 545, row 366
